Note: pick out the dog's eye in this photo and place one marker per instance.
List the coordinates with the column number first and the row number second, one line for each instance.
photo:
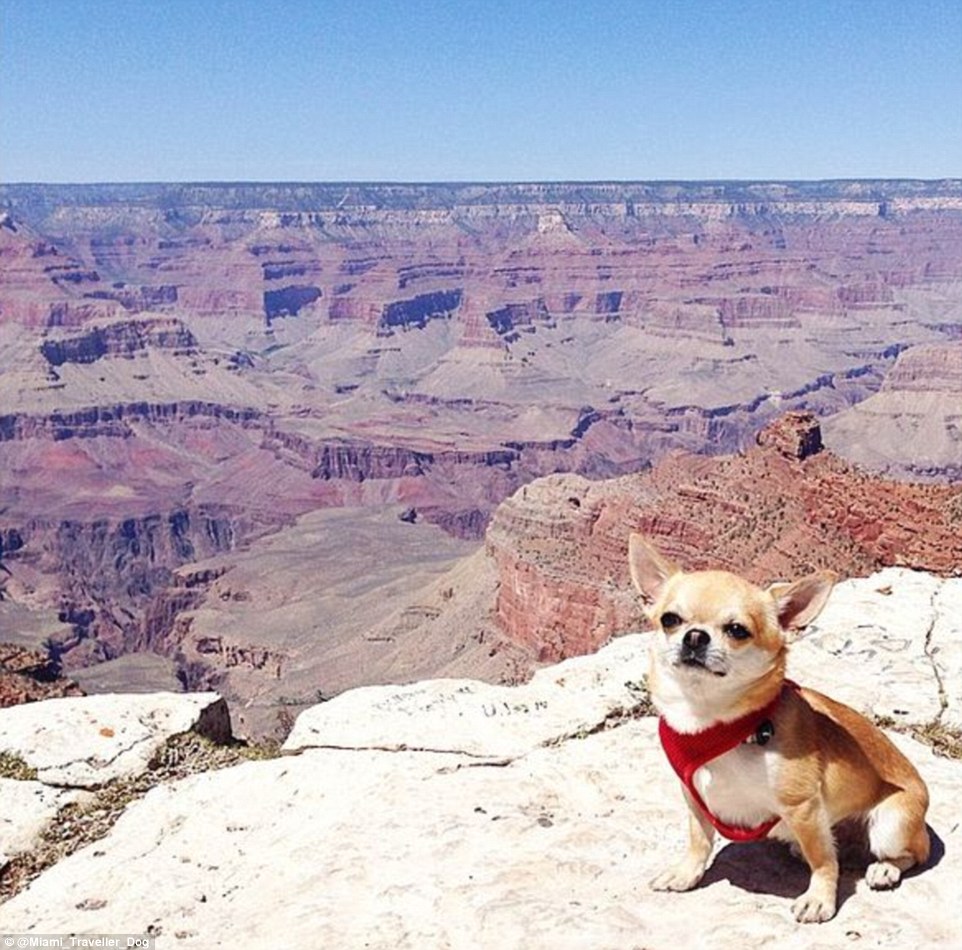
column 737, row 631
column 669, row 620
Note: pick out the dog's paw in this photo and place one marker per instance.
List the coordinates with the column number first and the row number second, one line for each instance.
column 682, row 877
column 883, row 876
column 813, row 908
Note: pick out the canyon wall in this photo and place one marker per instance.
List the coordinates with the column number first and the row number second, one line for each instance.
column 782, row 509
column 235, row 357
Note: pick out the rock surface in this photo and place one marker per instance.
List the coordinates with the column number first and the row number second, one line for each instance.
column 85, row 742
column 28, row 808
column 468, row 717
column 890, row 644
column 536, row 828
column 422, row 850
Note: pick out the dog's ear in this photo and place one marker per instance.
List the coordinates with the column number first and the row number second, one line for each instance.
column 800, row 602
column 649, row 569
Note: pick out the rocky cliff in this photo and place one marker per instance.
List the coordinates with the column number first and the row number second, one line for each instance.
column 27, row 676
column 551, row 806
column 782, row 508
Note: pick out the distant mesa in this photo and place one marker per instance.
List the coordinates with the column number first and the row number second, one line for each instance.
column 124, row 338
column 796, row 435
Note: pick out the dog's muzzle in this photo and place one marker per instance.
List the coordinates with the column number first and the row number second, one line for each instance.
column 695, row 651
column 694, row 647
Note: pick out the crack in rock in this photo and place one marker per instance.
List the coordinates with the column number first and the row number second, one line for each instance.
column 936, row 616
column 399, row 747
column 95, row 763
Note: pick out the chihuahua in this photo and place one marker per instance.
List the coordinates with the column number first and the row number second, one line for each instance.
column 758, row 755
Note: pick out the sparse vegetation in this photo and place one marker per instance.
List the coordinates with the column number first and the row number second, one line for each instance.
column 81, row 823
column 938, row 737
column 12, row 766
column 953, row 509
column 941, row 739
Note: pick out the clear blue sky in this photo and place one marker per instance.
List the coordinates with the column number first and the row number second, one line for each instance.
column 422, row 90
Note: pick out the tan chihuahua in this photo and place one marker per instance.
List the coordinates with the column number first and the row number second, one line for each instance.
column 757, row 754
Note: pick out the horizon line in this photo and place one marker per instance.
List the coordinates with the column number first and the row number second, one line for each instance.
column 467, row 182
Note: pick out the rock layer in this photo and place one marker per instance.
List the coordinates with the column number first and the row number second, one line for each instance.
column 773, row 512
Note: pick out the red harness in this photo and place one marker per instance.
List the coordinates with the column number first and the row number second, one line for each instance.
column 689, row 751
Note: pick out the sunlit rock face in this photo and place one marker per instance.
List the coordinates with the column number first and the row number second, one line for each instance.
column 779, row 510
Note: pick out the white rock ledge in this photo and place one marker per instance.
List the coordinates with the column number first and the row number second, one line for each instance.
column 889, row 645
column 87, row 741
column 427, row 851
column 478, row 719
column 525, row 828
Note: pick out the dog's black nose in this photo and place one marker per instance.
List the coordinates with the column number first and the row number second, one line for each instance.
column 696, row 640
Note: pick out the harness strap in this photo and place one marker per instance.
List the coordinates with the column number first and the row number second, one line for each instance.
column 689, row 751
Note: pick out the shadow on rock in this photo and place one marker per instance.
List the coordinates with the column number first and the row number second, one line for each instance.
column 936, row 854
column 769, row 867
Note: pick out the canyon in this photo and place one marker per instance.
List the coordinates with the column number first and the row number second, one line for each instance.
column 256, row 437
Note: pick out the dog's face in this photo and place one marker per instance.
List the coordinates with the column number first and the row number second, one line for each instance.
column 716, row 634
column 712, row 623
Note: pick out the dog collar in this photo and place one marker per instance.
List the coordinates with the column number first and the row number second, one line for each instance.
column 689, row 751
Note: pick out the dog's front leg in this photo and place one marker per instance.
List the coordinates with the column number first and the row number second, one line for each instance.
column 686, row 874
column 809, row 824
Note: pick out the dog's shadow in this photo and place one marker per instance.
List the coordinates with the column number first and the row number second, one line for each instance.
column 769, row 867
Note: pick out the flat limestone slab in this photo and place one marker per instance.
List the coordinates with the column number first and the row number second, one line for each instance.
column 86, row 741
column 476, row 718
column 28, row 807
column 451, row 815
column 870, row 646
column 376, row 849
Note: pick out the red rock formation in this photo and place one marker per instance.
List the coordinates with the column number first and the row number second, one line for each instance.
column 778, row 510
column 796, row 435
column 113, row 572
column 27, row 676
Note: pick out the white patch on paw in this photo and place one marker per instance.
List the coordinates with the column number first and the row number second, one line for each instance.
column 813, row 909
column 882, row 876
column 681, row 877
